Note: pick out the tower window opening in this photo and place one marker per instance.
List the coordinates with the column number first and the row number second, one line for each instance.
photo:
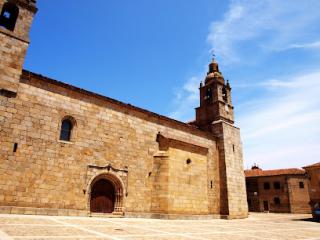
column 224, row 94
column 9, row 16
column 208, row 94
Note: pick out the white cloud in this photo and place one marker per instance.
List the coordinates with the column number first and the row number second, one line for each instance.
column 312, row 45
column 281, row 126
column 186, row 99
column 282, row 129
column 275, row 84
column 265, row 25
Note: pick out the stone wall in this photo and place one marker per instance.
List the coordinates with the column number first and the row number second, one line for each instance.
column 299, row 195
column 314, row 183
column 233, row 197
column 12, row 52
column 45, row 172
column 188, row 186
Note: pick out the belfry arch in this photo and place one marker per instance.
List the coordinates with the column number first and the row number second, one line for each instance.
column 106, row 191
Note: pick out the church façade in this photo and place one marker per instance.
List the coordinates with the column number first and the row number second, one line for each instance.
column 68, row 151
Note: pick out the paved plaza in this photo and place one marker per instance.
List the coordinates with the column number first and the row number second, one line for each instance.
column 257, row 226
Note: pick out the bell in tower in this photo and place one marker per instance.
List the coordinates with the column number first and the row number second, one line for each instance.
column 215, row 99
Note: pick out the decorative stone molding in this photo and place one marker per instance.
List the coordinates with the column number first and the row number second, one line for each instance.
column 166, row 142
column 118, row 178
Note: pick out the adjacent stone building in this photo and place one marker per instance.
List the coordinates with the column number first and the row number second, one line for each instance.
column 279, row 191
column 313, row 172
column 68, row 151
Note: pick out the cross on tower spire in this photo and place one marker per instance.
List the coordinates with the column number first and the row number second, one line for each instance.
column 213, row 55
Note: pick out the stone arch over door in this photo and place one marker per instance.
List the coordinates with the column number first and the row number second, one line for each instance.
column 107, row 182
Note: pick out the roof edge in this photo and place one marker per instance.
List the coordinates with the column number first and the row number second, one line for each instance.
column 276, row 172
column 315, row 165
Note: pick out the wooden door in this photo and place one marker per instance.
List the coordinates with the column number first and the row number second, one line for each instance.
column 266, row 206
column 102, row 197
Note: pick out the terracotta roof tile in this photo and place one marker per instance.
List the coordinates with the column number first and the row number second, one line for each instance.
column 313, row 165
column 276, row 172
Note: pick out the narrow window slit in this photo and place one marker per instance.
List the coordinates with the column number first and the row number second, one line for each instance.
column 15, row 147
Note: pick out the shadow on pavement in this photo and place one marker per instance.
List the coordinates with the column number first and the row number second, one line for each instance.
column 306, row 220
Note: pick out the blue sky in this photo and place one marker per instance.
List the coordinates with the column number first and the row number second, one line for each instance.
column 153, row 54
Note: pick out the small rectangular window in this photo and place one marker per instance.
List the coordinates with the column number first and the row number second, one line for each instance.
column 276, row 185
column 15, row 147
column 301, row 184
column 276, row 200
column 266, row 186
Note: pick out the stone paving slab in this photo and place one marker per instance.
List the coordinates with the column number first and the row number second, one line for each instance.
column 256, row 227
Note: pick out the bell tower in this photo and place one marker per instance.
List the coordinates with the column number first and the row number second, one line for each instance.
column 215, row 99
column 215, row 115
column 15, row 22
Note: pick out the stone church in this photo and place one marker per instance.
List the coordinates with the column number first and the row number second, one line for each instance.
column 68, row 151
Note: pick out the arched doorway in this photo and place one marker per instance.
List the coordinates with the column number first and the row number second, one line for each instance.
column 103, row 196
